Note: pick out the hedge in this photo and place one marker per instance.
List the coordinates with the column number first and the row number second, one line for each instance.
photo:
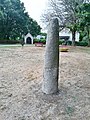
column 9, row 41
column 40, row 41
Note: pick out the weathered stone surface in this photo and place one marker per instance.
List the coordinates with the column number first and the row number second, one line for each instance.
column 51, row 63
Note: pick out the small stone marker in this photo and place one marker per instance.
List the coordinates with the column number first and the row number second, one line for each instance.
column 51, row 63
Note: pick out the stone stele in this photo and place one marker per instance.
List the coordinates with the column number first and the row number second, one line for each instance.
column 51, row 62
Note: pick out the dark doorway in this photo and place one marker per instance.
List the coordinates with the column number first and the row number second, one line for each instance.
column 29, row 40
column 64, row 38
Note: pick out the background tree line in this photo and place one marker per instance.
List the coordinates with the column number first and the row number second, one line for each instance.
column 15, row 21
column 72, row 14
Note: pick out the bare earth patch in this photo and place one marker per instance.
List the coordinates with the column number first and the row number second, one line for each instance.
column 21, row 75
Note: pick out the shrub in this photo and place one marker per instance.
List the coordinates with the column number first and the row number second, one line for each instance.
column 43, row 41
column 40, row 41
column 69, row 42
column 81, row 43
column 61, row 42
column 9, row 41
column 35, row 41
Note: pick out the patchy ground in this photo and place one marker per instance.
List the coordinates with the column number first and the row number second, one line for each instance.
column 21, row 74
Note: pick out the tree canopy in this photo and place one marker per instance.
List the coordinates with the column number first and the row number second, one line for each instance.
column 84, row 22
column 15, row 21
column 67, row 12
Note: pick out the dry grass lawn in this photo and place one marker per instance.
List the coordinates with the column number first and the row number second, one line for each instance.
column 21, row 75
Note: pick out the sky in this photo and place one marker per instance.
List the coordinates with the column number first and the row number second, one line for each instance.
column 35, row 8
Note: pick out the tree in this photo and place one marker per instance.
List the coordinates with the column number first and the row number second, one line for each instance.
column 84, row 22
column 66, row 11
column 14, row 21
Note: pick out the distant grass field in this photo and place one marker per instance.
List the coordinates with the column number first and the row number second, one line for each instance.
column 13, row 45
column 71, row 48
column 9, row 45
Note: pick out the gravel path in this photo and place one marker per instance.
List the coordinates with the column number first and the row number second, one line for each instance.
column 21, row 74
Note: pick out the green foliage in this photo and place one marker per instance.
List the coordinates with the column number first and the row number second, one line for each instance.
column 43, row 41
column 35, row 41
column 69, row 42
column 14, row 21
column 44, row 34
column 9, row 41
column 84, row 22
column 61, row 42
column 80, row 43
column 70, row 13
column 40, row 41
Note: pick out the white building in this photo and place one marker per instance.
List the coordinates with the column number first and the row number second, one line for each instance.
column 66, row 34
column 28, row 39
column 40, row 36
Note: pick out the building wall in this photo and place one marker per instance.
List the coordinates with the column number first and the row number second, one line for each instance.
column 28, row 35
column 67, row 32
column 40, row 36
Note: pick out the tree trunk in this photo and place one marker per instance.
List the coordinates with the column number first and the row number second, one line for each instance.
column 51, row 63
column 88, row 31
column 73, row 37
column 89, row 43
column 7, row 37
